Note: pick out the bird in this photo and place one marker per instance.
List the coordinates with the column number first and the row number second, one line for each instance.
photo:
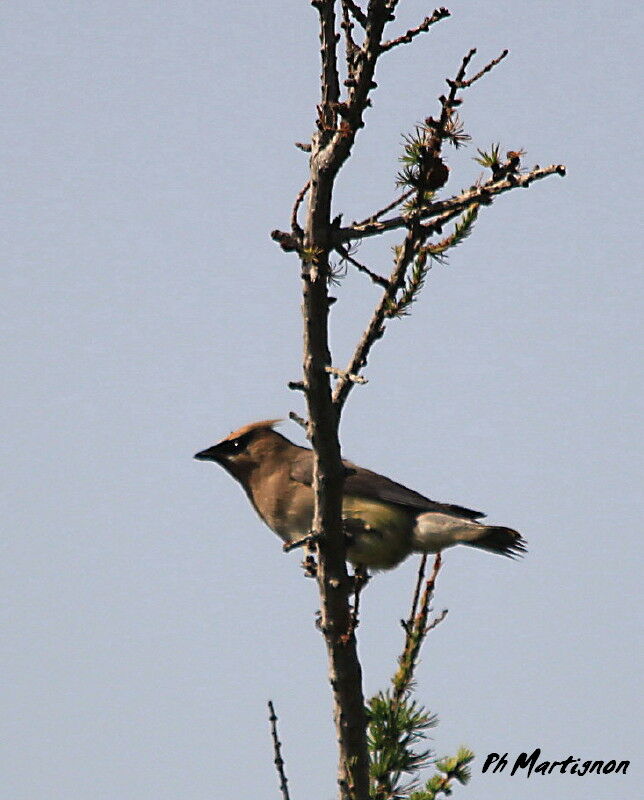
column 384, row 521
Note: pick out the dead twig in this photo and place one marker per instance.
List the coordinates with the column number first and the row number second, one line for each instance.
column 296, row 228
column 407, row 625
column 390, row 207
column 329, row 79
column 463, row 84
column 346, row 256
column 425, row 25
column 356, row 12
column 416, row 629
column 299, row 420
column 277, row 750
column 350, row 46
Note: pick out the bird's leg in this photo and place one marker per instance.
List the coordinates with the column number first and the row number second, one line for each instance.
column 360, row 580
column 309, row 563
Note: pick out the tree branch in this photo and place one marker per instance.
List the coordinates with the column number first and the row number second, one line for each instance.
column 339, row 120
column 329, row 149
column 463, row 84
column 329, row 79
column 425, row 25
column 299, row 421
column 295, row 226
column 357, row 13
column 277, row 750
column 351, row 48
column 375, row 328
column 346, row 256
column 477, row 194
column 416, row 629
column 389, row 207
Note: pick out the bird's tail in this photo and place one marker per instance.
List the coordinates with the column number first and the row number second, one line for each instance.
column 436, row 530
column 497, row 539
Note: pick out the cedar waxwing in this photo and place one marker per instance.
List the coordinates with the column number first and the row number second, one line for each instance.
column 384, row 520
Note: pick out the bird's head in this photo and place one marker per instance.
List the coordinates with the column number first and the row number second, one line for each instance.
column 246, row 449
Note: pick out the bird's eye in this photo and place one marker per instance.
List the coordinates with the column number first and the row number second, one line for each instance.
column 234, row 447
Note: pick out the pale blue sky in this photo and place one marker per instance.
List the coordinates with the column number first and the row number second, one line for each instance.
column 147, row 614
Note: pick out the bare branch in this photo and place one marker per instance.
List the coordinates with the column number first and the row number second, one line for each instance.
column 460, row 75
column 286, row 241
column 463, row 84
column 277, row 750
column 416, row 629
column 414, row 603
column 346, row 256
column 351, row 47
column 375, row 328
column 357, row 13
column 436, row 621
column 295, row 226
column 390, row 207
column 425, row 25
column 329, row 78
column 430, row 176
column 360, row 83
column 299, row 421
column 477, row 194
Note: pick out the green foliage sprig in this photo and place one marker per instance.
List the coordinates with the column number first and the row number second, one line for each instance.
column 448, row 770
column 491, row 159
column 436, row 251
column 398, row 725
column 462, row 229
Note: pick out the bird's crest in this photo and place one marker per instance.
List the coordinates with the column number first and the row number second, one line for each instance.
column 265, row 424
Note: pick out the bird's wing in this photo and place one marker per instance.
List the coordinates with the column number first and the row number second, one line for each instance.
column 364, row 483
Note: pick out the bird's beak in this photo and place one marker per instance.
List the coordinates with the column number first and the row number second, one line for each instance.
column 211, row 454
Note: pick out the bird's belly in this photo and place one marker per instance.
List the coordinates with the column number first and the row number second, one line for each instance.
column 379, row 534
